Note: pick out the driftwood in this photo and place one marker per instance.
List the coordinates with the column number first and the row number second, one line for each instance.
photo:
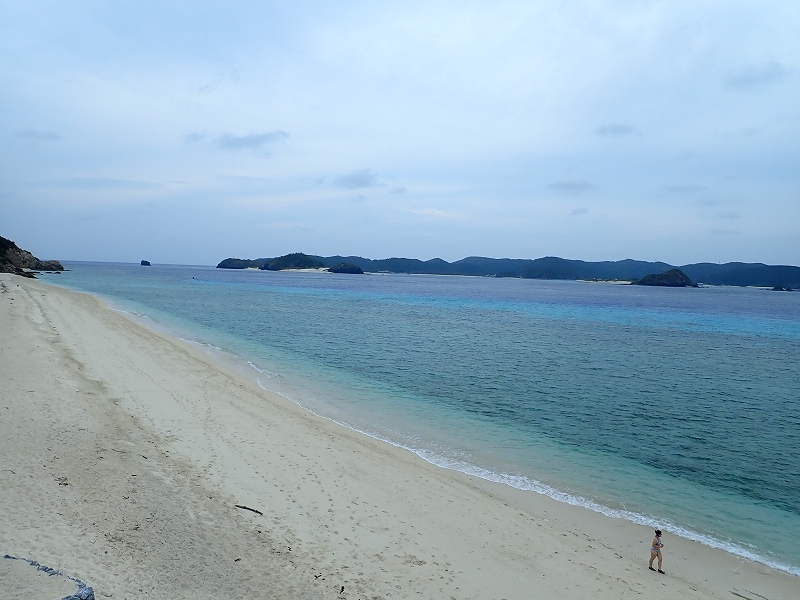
column 243, row 507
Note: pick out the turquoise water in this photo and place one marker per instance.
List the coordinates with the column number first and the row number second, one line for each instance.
column 669, row 407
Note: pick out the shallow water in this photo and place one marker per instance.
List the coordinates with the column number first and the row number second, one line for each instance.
column 671, row 407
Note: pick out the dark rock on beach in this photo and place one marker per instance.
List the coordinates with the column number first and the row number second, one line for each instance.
column 83, row 591
column 16, row 260
column 346, row 268
column 671, row 278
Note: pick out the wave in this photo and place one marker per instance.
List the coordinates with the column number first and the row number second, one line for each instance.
column 522, row 482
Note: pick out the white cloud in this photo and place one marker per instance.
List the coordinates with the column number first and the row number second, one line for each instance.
column 42, row 136
column 756, row 77
column 508, row 114
column 252, row 141
column 573, row 186
column 357, row 179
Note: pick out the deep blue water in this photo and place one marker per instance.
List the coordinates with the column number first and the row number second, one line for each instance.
column 676, row 407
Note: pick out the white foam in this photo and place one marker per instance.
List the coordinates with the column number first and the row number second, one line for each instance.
column 269, row 374
column 201, row 344
column 522, row 482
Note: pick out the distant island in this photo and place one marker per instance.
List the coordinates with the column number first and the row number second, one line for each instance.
column 671, row 278
column 14, row 259
column 550, row 267
column 145, row 263
column 346, row 268
column 297, row 260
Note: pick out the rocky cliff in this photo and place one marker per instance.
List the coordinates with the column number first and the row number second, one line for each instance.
column 15, row 260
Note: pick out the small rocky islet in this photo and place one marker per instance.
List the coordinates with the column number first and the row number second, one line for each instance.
column 671, row 278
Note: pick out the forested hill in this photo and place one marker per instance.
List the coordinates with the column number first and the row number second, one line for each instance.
column 552, row 267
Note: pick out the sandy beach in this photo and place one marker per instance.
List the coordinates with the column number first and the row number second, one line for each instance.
column 124, row 453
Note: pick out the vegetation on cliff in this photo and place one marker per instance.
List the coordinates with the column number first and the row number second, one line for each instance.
column 296, row 260
column 14, row 259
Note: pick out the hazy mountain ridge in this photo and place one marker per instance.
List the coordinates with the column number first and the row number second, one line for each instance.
column 553, row 267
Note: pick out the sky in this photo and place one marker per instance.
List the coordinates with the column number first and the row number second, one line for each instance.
column 188, row 132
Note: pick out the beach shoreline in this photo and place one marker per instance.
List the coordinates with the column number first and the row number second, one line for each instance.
column 339, row 509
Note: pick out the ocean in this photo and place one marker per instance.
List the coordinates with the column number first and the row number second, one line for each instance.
column 677, row 408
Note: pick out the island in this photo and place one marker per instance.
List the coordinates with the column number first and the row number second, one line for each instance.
column 349, row 268
column 548, row 267
column 671, row 278
column 145, row 263
column 243, row 263
column 296, row 260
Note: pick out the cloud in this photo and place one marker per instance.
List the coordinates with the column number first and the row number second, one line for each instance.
column 579, row 211
column 728, row 215
column 435, row 213
column 397, row 190
column 754, row 77
column 253, row 141
column 103, row 183
column 194, row 137
column 684, row 188
column 615, row 130
column 43, row 136
column 572, row 186
column 357, row 179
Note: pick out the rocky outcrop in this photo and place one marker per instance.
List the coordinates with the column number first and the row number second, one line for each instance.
column 346, row 268
column 671, row 278
column 15, row 260
column 145, row 263
column 83, row 592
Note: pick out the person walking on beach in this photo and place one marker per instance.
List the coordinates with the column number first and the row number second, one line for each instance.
column 655, row 551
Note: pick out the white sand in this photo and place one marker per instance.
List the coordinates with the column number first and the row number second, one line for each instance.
column 86, row 394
